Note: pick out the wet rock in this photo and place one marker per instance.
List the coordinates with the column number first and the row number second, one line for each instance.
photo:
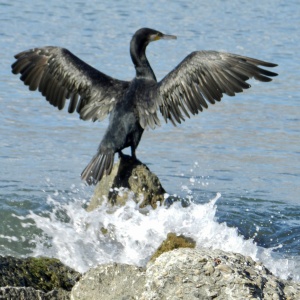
column 187, row 274
column 110, row 282
column 173, row 242
column 35, row 278
column 183, row 273
column 129, row 179
column 41, row 273
column 212, row 274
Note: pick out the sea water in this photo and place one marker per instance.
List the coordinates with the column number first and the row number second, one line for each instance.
column 132, row 234
column 238, row 161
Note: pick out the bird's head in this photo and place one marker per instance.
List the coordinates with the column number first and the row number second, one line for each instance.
column 138, row 44
column 146, row 35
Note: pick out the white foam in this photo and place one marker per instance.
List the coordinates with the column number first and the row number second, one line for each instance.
column 75, row 236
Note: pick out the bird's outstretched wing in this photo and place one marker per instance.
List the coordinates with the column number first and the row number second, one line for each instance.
column 60, row 75
column 203, row 77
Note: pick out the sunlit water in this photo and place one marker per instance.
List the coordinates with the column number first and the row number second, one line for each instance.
column 246, row 148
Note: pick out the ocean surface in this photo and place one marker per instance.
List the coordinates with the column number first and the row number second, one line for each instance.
column 238, row 161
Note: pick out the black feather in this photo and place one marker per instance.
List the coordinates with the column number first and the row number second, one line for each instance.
column 201, row 78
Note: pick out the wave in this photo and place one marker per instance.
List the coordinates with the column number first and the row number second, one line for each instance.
column 128, row 234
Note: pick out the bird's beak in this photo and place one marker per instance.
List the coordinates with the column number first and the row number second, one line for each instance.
column 168, row 37
column 160, row 36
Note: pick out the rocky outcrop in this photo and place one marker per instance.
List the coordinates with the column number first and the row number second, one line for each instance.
column 42, row 273
column 35, row 278
column 110, row 282
column 186, row 274
column 129, row 179
column 29, row 293
column 183, row 273
column 213, row 274
column 177, row 270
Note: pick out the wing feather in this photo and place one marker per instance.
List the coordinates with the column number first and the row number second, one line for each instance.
column 204, row 76
column 60, row 75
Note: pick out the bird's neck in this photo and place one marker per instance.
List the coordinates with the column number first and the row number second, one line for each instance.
column 140, row 61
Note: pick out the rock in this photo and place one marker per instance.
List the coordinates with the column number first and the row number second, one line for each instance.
column 212, row 274
column 129, row 179
column 45, row 274
column 29, row 293
column 35, row 278
column 173, row 242
column 110, row 282
column 184, row 273
column 187, row 274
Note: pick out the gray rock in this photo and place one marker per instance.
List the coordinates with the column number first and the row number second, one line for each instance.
column 212, row 274
column 29, row 293
column 184, row 273
column 129, row 179
column 110, row 282
column 189, row 274
column 20, row 293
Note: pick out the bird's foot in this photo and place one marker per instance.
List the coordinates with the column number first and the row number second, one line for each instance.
column 121, row 154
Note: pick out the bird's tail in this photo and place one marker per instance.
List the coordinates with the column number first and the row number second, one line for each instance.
column 101, row 164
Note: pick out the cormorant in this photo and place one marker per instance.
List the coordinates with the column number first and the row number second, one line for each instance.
column 202, row 77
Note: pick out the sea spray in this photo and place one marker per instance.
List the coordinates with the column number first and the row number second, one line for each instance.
column 130, row 235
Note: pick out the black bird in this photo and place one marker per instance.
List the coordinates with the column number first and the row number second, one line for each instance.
column 202, row 77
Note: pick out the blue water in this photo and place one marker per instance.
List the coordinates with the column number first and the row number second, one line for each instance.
column 246, row 148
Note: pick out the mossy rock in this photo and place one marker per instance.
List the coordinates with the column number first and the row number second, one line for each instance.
column 173, row 242
column 45, row 274
column 130, row 179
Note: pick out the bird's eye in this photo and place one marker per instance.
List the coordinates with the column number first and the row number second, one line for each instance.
column 157, row 36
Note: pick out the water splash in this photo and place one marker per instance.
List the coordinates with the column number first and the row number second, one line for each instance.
column 130, row 235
